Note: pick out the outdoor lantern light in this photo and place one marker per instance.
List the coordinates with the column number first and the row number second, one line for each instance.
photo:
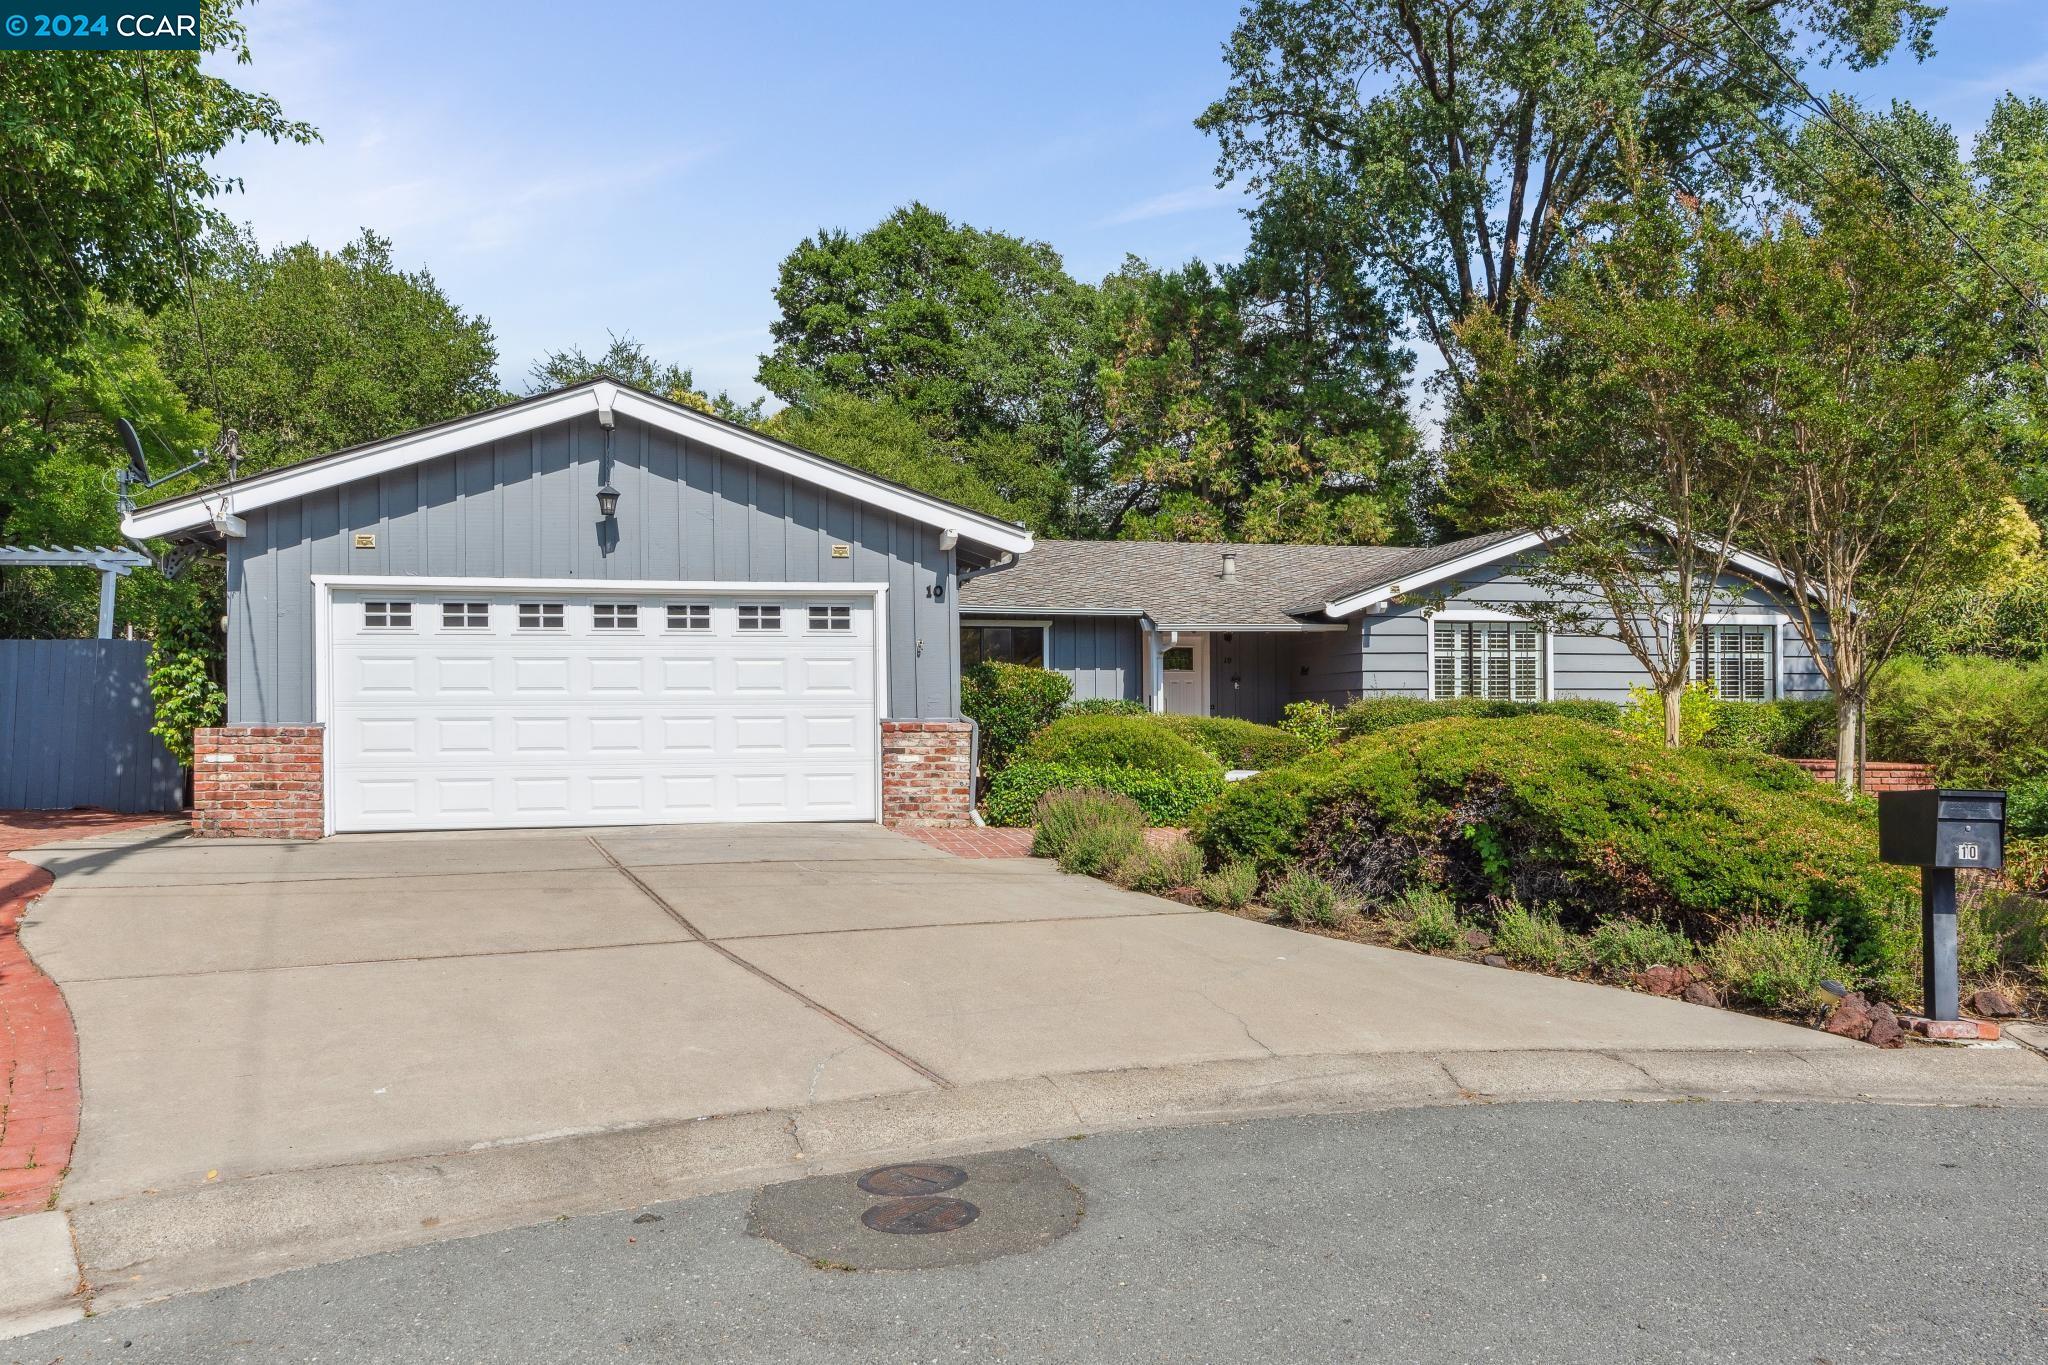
column 607, row 501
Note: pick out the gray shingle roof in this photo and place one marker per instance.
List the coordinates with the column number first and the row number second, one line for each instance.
column 1181, row 584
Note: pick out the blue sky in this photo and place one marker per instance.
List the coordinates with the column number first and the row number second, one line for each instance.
column 643, row 167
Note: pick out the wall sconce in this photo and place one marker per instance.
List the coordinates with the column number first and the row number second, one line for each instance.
column 607, row 501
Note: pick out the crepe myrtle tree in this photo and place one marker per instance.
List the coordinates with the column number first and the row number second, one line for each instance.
column 1609, row 421
column 1875, row 484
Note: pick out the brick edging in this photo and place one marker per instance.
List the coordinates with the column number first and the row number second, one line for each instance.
column 38, row 1040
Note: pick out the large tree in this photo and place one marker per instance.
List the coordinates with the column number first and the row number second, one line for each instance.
column 1259, row 401
column 1461, row 141
column 1612, row 423
column 974, row 332
column 106, row 178
column 303, row 351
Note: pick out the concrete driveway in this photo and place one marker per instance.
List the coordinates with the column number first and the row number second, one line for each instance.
column 247, row 1008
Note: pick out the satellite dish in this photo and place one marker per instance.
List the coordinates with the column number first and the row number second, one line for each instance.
column 138, row 463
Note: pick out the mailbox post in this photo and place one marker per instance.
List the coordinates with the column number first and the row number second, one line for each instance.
column 1938, row 832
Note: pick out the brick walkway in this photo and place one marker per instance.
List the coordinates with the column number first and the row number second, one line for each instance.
column 1001, row 843
column 38, row 1050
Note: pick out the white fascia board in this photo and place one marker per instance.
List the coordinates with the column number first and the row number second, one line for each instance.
column 1436, row 573
column 591, row 586
column 190, row 512
column 1255, row 629
column 1121, row 612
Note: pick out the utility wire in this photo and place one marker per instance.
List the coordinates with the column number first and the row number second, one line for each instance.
column 178, row 236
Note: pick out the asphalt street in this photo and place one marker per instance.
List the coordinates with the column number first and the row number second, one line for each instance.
column 1540, row 1232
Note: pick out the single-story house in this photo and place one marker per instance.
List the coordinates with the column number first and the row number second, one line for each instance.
column 1243, row 630
column 595, row 606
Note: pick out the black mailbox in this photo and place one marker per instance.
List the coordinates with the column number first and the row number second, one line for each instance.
column 1942, row 828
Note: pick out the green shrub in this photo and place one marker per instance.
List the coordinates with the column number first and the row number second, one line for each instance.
column 1627, row 944
column 1237, row 743
column 1305, row 898
column 185, row 696
column 1999, row 931
column 1170, row 798
column 1370, row 715
column 1231, row 886
column 1775, row 964
column 1009, row 702
column 1642, row 715
column 1116, row 742
column 1161, row 867
column 1096, row 849
column 1977, row 722
column 1427, row 920
column 1104, row 706
column 1533, row 937
column 1788, row 729
column 1562, row 813
column 2026, row 809
column 1314, row 723
column 1060, row 814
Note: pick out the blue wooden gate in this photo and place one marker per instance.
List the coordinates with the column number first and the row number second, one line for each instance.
column 74, row 728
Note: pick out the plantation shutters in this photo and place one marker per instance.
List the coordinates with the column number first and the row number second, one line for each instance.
column 1496, row 660
column 1736, row 659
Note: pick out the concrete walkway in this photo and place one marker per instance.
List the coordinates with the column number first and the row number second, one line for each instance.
column 290, row 1052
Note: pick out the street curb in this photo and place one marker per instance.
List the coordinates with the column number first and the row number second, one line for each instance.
column 142, row 1248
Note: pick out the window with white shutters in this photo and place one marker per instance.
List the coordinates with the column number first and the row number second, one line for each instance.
column 1736, row 659
column 1497, row 660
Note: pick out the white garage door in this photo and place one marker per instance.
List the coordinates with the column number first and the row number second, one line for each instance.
column 466, row 709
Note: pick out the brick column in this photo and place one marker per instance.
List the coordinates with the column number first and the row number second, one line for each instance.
column 927, row 773
column 258, row 781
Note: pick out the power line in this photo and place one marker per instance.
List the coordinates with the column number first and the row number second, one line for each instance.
column 178, row 236
column 1841, row 125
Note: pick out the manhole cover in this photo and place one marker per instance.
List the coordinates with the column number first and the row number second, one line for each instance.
column 921, row 1214
column 995, row 1204
column 919, row 1178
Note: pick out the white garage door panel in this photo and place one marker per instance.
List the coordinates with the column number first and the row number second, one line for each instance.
column 496, row 726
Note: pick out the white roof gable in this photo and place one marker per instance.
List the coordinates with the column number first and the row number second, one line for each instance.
column 603, row 397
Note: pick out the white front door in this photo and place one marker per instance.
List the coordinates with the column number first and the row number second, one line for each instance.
column 469, row 707
column 1184, row 669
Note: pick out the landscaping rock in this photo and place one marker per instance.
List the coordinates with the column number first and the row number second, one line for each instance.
column 1478, row 940
column 1665, row 980
column 1494, row 960
column 1850, row 1018
column 1991, row 1003
column 1884, row 1028
column 1700, row 993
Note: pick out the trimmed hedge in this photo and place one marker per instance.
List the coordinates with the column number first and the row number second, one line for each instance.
column 1238, row 743
column 1550, row 811
column 1370, row 715
column 1104, row 706
column 1789, row 729
column 1976, row 722
column 1115, row 741
column 1167, row 798
column 1008, row 702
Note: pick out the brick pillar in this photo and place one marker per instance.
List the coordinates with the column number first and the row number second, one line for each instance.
column 258, row 781
column 927, row 773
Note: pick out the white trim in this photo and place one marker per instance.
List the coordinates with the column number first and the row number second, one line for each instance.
column 1121, row 613
column 1436, row 573
column 1197, row 643
column 191, row 511
column 1296, row 628
column 1454, row 615
column 325, row 584
column 1044, row 625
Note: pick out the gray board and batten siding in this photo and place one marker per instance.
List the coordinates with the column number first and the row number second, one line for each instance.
column 74, row 729
column 1255, row 674
column 524, row 507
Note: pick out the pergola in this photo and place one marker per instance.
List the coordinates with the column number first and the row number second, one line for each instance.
column 111, row 562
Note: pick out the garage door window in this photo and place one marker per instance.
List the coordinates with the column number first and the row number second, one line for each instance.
column 387, row 615
column 615, row 616
column 465, row 615
column 689, row 616
column 540, row 615
column 760, row 618
column 831, row 618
